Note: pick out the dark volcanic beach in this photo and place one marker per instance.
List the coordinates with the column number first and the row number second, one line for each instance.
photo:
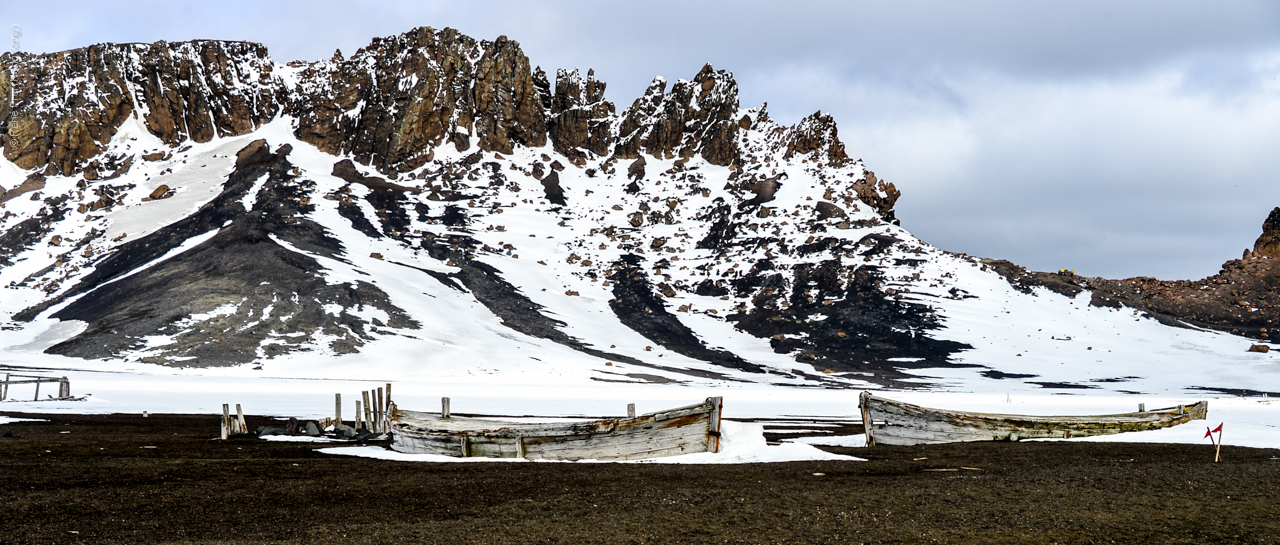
column 129, row 479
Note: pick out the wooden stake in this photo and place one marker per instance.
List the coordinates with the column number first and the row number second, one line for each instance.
column 444, row 407
column 631, row 410
column 1142, row 407
column 4, row 388
column 466, row 447
column 64, row 388
column 357, row 422
column 226, row 420
column 716, row 408
column 337, row 409
column 240, row 417
column 519, row 447
column 223, row 426
column 37, row 398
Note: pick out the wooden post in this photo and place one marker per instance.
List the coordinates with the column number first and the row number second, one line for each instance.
column 466, row 447
column 444, row 407
column 716, row 408
column 379, row 409
column 386, row 417
column 223, row 426
column 519, row 447
column 4, row 388
column 631, row 410
column 226, row 420
column 1142, row 407
column 37, row 398
column 337, row 409
column 357, row 421
column 1182, row 409
column 866, row 418
column 368, row 411
column 64, row 388
column 240, row 416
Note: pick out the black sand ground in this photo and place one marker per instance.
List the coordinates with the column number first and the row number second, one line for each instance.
column 128, row 479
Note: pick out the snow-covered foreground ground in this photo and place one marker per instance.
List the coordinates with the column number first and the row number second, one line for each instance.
column 1250, row 422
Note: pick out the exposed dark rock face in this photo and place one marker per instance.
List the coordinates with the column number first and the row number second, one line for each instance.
column 256, row 296
column 840, row 319
column 27, row 232
column 639, row 308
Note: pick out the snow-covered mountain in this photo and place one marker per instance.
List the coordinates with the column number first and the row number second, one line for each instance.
column 433, row 202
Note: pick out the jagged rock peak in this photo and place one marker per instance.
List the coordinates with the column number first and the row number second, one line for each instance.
column 1268, row 244
column 817, row 134
column 695, row 117
column 393, row 102
column 581, row 119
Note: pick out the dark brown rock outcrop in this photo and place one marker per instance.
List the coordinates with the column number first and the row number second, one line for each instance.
column 67, row 105
column 1268, row 244
column 696, row 117
column 580, row 116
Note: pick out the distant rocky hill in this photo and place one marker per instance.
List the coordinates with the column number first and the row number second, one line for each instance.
column 200, row 204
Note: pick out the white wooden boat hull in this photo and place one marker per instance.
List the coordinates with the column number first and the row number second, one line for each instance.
column 907, row 424
column 683, row 430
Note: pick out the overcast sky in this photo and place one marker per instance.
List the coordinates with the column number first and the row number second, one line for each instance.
column 1132, row 138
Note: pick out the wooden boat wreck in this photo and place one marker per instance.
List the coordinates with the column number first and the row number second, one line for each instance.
column 683, row 430
column 889, row 422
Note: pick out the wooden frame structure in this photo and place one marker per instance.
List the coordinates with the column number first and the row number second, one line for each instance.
column 64, row 385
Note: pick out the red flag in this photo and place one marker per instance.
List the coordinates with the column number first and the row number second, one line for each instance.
column 1217, row 429
column 1208, row 432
